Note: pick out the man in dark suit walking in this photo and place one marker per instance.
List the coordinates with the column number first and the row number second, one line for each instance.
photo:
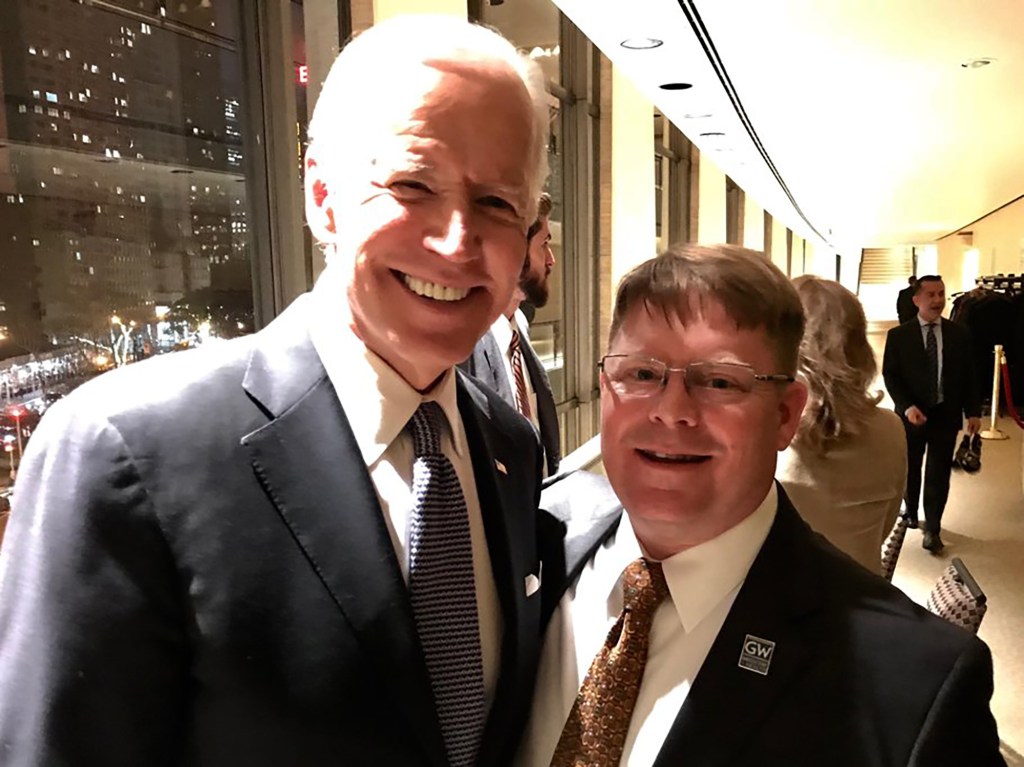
column 928, row 367
column 709, row 625
column 905, row 308
column 504, row 358
column 314, row 545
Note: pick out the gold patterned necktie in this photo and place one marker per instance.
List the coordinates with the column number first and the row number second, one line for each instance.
column 595, row 732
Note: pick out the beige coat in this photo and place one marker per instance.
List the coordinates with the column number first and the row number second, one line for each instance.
column 852, row 494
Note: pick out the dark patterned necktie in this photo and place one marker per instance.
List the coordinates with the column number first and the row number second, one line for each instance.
column 595, row 732
column 931, row 348
column 443, row 590
column 516, row 356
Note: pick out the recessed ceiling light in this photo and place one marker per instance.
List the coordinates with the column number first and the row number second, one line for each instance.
column 675, row 86
column 978, row 63
column 641, row 43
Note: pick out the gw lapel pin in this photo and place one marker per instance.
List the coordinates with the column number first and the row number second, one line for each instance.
column 757, row 654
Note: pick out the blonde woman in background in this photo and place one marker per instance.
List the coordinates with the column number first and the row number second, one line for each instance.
column 846, row 469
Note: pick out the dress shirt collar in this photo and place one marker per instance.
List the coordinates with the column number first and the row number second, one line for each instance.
column 924, row 323
column 377, row 401
column 699, row 578
column 502, row 331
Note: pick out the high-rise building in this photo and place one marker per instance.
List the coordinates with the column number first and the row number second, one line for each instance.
column 120, row 164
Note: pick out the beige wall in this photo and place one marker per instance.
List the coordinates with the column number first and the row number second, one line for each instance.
column 753, row 224
column 849, row 270
column 798, row 256
column 632, row 192
column 779, row 244
column 711, row 212
column 385, row 9
column 996, row 245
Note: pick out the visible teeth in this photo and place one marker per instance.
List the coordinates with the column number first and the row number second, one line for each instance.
column 433, row 290
column 673, row 457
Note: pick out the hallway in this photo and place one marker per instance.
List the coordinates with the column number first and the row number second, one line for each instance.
column 984, row 526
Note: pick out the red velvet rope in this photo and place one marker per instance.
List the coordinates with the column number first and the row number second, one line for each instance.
column 1008, row 390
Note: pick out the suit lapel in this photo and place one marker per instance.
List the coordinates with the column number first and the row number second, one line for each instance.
column 511, row 542
column 493, row 362
column 727, row 704
column 547, row 416
column 310, row 466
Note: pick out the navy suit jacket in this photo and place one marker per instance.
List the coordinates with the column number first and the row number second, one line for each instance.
column 905, row 370
column 858, row 674
column 198, row 571
column 487, row 364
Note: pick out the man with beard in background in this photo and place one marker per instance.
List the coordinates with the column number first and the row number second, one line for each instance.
column 504, row 359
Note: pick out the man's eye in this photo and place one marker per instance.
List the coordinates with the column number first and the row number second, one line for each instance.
column 642, row 375
column 719, row 382
column 498, row 203
column 409, row 188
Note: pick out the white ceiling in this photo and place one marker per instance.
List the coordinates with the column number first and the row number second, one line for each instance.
column 878, row 133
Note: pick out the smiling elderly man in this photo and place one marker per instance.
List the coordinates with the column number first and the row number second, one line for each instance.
column 709, row 625
column 315, row 545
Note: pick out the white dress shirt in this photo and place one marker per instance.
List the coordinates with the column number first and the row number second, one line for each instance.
column 703, row 582
column 502, row 330
column 938, row 345
column 378, row 404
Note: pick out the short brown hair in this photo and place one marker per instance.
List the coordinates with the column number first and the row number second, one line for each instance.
column 544, row 206
column 753, row 292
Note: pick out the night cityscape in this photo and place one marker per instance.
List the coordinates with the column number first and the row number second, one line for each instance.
column 123, row 227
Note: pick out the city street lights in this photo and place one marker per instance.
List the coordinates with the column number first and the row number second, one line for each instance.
column 119, row 344
column 16, row 412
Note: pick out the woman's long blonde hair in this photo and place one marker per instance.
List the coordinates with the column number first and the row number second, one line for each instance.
column 837, row 363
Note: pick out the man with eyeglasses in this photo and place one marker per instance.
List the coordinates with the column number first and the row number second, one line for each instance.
column 709, row 624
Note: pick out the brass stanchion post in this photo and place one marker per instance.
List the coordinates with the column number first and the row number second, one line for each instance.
column 992, row 432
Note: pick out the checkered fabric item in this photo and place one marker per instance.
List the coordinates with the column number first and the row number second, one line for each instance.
column 443, row 590
column 951, row 599
column 892, row 546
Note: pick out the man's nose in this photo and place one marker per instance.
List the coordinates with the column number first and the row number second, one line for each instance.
column 452, row 236
column 674, row 405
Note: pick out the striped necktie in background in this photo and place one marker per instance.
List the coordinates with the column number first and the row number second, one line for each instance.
column 443, row 590
column 516, row 355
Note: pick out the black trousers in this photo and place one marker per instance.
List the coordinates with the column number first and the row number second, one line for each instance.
column 934, row 444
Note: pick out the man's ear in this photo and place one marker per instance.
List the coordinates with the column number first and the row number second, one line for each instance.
column 791, row 407
column 319, row 201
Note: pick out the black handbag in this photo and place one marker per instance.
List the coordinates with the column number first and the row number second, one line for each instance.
column 968, row 455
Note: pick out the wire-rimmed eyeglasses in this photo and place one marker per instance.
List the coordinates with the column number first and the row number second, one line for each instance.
column 635, row 375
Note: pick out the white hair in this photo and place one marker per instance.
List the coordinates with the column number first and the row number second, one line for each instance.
column 379, row 67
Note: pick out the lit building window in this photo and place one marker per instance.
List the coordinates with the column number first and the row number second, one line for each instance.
column 51, row 97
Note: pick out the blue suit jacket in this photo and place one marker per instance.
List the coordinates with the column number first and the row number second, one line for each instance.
column 198, row 571
column 487, row 365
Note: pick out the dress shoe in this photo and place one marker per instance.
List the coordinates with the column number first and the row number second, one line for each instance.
column 911, row 522
column 932, row 542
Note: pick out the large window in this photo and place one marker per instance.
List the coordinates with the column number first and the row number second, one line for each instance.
column 123, row 210
column 564, row 332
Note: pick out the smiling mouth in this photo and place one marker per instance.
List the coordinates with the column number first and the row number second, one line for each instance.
column 673, row 457
column 433, row 290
